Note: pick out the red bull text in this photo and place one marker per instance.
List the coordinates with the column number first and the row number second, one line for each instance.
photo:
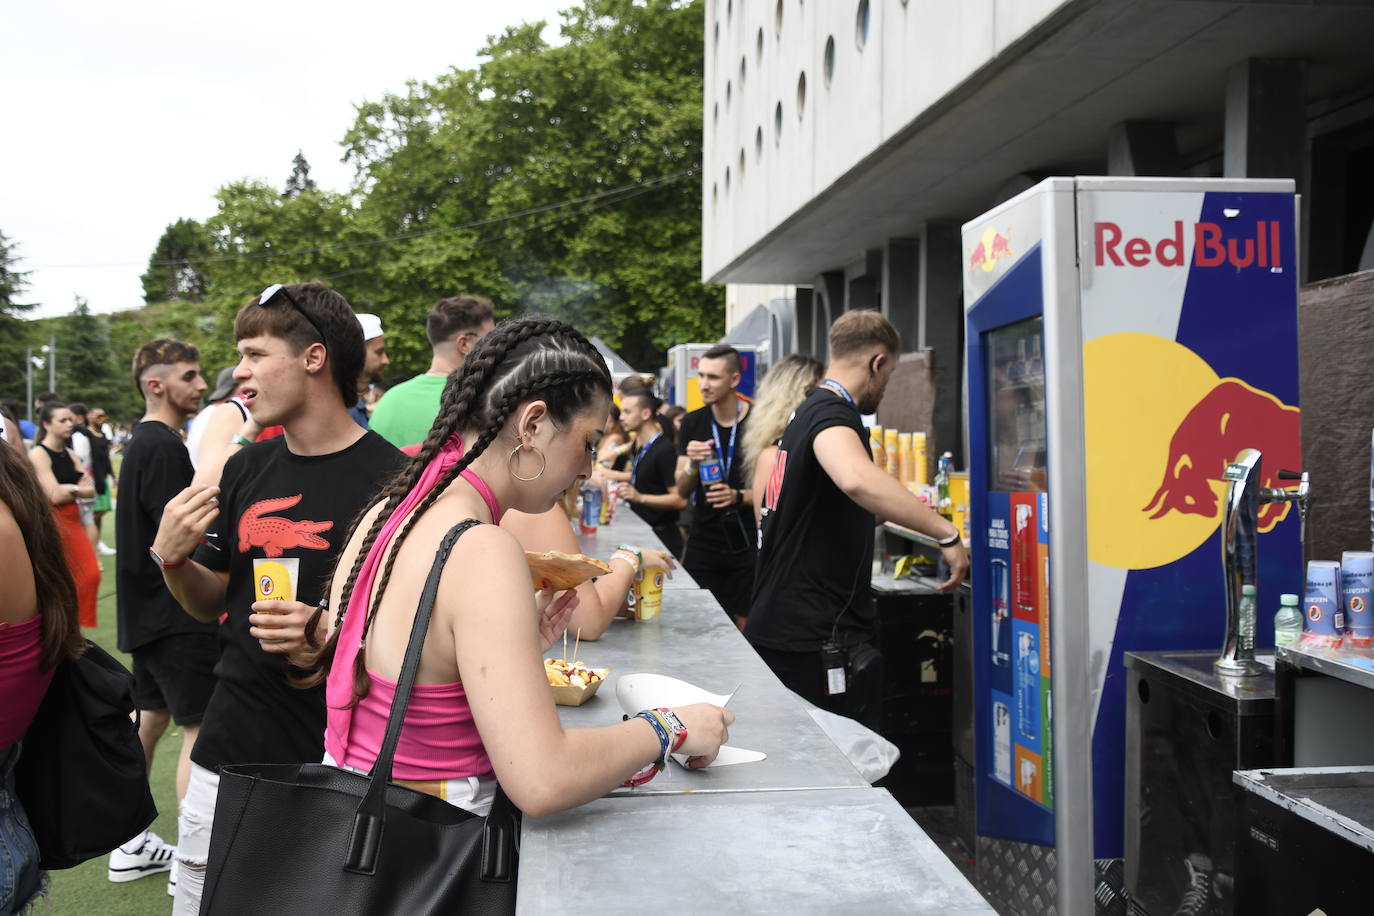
column 1259, row 248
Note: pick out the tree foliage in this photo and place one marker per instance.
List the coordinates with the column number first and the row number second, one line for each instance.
column 86, row 367
column 14, row 331
column 177, row 268
column 299, row 181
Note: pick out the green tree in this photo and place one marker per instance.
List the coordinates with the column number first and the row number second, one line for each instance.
column 299, row 180
column 86, row 368
column 177, row 268
column 14, row 330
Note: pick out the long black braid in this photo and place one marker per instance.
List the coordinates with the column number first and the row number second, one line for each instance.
column 518, row 360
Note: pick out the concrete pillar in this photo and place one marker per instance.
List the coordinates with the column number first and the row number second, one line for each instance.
column 1147, row 148
column 899, row 295
column 1266, row 120
column 940, row 327
column 828, row 294
column 805, row 317
column 862, row 282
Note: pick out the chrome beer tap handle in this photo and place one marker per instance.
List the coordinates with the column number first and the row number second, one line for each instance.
column 1239, row 542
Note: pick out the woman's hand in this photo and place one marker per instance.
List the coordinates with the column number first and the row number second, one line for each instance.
column 660, row 558
column 708, row 727
column 555, row 610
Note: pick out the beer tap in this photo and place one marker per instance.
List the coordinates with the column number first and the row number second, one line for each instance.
column 1239, row 545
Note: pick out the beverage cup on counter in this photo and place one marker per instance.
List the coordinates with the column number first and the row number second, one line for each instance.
column 906, row 471
column 1357, row 584
column 875, row 445
column 648, row 592
column 892, row 451
column 275, row 580
column 1323, row 613
column 920, row 460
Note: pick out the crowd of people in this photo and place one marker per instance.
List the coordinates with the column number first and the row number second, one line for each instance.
column 295, row 464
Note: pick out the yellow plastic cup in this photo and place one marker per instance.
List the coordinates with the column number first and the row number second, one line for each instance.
column 275, row 580
column 648, row 592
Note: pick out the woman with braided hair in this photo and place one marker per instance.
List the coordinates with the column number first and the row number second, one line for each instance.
column 518, row 424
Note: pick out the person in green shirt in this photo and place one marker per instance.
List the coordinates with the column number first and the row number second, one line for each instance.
column 407, row 411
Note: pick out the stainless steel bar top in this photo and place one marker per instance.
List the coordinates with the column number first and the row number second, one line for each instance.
column 629, row 528
column 694, row 641
column 827, row 851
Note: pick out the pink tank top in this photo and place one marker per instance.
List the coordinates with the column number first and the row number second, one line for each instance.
column 438, row 739
column 21, row 683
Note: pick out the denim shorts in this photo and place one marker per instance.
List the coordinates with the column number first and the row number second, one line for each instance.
column 21, row 880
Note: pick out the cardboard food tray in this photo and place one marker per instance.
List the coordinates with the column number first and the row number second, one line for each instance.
column 568, row 695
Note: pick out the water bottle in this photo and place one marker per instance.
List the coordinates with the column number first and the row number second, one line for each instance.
column 1288, row 622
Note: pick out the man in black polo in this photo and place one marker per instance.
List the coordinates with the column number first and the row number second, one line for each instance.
column 721, row 543
column 649, row 486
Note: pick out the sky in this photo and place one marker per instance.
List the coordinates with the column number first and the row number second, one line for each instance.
column 123, row 117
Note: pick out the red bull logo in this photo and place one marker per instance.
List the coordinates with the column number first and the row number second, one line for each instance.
column 1259, row 248
column 1231, row 417
column 993, row 247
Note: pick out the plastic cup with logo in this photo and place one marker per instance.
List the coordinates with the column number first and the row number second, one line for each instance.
column 648, row 592
column 875, row 445
column 1323, row 613
column 1357, row 590
column 905, row 471
column 275, row 580
column 920, row 459
column 892, row 451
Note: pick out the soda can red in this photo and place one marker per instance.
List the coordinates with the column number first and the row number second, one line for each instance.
column 1323, row 613
column 1357, row 589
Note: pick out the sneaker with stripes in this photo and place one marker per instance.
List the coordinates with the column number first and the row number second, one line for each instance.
column 140, row 857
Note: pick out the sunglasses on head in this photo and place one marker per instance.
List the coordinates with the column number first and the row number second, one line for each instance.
column 265, row 299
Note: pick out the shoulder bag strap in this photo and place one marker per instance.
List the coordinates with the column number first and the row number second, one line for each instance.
column 363, row 846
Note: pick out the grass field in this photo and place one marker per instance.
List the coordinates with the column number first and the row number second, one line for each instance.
column 85, row 890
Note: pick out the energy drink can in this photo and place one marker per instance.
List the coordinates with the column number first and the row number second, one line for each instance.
column 1001, row 614
column 591, row 509
column 1324, row 615
column 1357, row 589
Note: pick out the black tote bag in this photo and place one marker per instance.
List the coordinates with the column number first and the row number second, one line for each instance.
column 313, row 838
column 81, row 775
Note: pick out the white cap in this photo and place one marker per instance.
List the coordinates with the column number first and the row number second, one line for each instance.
column 372, row 326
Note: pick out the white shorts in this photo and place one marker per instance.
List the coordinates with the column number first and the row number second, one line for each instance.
column 471, row 793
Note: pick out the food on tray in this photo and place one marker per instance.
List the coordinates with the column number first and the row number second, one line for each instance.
column 563, row 570
column 574, row 674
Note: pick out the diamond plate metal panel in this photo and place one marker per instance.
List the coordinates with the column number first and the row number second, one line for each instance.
column 1018, row 879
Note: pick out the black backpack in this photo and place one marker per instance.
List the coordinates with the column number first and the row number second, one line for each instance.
column 81, row 775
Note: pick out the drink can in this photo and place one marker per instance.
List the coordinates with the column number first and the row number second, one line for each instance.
column 875, row 445
column 1323, row 614
column 1001, row 614
column 891, row 451
column 919, row 459
column 1357, row 589
column 591, row 509
column 906, row 473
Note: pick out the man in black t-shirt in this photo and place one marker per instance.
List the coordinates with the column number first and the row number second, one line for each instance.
column 722, row 540
column 650, row 485
column 812, row 617
column 286, row 503
column 173, row 656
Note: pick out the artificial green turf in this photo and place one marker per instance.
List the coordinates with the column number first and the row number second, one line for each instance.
column 85, row 889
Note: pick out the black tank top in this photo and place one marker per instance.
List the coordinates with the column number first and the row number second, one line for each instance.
column 63, row 468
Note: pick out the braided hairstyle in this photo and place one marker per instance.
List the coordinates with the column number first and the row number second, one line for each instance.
column 520, row 359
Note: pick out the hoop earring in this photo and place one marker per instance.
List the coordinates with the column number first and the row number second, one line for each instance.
column 510, row 462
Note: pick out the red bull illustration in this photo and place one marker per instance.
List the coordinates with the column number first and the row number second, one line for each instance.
column 1233, row 416
column 993, row 247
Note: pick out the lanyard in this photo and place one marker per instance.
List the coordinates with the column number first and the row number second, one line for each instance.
column 726, row 457
column 840, row 390
column 639, row 456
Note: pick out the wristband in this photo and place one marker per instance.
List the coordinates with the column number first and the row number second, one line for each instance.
column 671, row 734
column 955, row 538
column 638, row 554
column 241, row 439
column 629, row 560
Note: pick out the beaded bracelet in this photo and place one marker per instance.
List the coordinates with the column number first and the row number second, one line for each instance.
column 668, row 736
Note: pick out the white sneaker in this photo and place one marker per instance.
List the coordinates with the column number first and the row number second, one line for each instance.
column 172, row 878
column 151, row 856
column 105, row 550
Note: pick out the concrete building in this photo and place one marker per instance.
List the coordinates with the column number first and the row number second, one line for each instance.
column 846, row 141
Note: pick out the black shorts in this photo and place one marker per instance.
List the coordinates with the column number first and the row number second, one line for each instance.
column 177, row 673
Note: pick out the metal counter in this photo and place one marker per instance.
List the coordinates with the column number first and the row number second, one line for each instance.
column 629, row 528
column 692, row 640
column 832, row 851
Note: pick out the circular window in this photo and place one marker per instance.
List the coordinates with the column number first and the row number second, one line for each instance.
column 715, row 113
column 759, row 46
column 741, row 164
column 741, row 73
column 801, row 95
column 758, row 143
column 777, row 19
column 727, row 179
column 777, row 124
column 716, row 39
column 728, row 92
column 829, row 59
column 729, row 8
column 861, row 24
column 715, row 196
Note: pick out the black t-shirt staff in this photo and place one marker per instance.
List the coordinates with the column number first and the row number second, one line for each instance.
column 722, row 520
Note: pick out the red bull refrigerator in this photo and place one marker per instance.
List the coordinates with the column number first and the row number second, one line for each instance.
column 1126, row 337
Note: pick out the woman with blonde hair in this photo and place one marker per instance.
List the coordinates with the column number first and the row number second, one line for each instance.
column 783, row 388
